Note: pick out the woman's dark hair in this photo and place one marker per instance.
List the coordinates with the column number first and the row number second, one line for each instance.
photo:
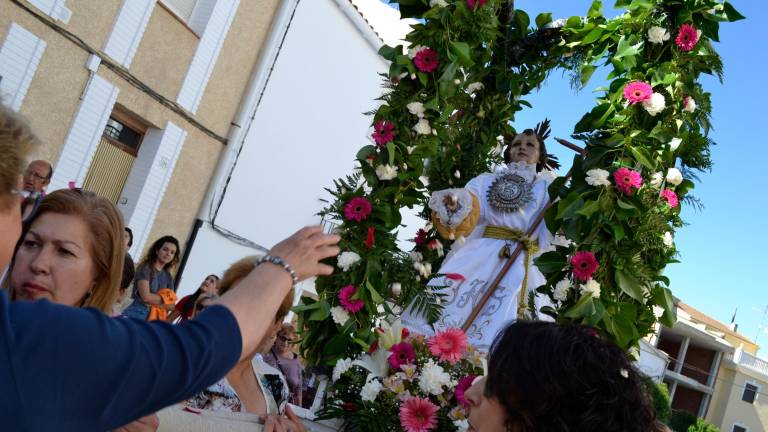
column 551, row 378
column 152, row 254
column 130, row 236
column 129, row 271
column 189, row 305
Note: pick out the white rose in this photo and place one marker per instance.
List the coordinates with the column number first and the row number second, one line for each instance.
column 598, row 177
column 655, row 104
column 342, row 365
column 561, row 290
column 438, row 3
column 592, row 287
column 422, row 127
column 416, row 108
column 669, row 241
column 370, row 390
column 340, row 315
column 674, row 176
column 689, row 105
column 433, row 378
column 658, row 35
column 397, row 288
column 674, row 143
column 474, row 87
column 657, row 179
column 347, row 260
column 386, row 172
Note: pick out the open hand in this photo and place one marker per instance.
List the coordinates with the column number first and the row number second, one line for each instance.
column 304, row 250
column 290, row 423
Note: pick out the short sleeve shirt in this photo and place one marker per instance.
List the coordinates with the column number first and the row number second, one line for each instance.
column 161, row 279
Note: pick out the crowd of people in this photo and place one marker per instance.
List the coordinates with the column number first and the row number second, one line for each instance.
column 90, row 343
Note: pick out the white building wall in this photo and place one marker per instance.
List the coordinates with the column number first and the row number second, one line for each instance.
column 20, row 54
column 56, row 9
column 128, row 30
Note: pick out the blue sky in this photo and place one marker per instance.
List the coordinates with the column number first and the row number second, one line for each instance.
column 723, row 249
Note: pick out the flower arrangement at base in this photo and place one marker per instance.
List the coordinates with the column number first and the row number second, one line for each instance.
column 406, row 382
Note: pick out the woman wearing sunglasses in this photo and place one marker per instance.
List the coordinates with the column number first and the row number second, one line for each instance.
column 282, row 357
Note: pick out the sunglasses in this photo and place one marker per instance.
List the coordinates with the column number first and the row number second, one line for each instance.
column 285, row 339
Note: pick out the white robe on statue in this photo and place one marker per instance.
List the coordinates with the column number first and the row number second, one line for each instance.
column 478, row 261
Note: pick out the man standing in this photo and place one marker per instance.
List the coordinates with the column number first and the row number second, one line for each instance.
column 37, row 177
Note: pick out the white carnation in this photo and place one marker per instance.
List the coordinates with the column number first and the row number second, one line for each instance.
column 347, row 260
column 689, row 105
column 422, row 127
column 657, row 179
column 433, row 378
column 461, row 425
column 439, row 3
column 674, row 176
column 397, row 289
column 655, row 104
column 342, row 365
column 592, row 287
column 474, row 87
column 415, row 50
column 561, row 290
column 669, row 241
column 674, row 143
column 598, row 177
column 386, row 172
column 416, row 108
column 340, row 315
column 370, row 390
column 658, row 35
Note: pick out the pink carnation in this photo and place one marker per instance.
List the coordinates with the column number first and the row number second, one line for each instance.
column 383, row 132
column 462, row 387
column 418, row 415
column 358, row 209
column 346, row 300
column 448, row 345
column 426, row 60
column 471, row 3
column 401, row 354
column 584, row 265
column 671, row 198
column 626, row 180
column 687, row 37
column 637, row 91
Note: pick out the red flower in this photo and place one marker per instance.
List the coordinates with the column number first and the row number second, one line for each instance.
column 426, row 60
column 370, row 240
column 421, row 237
column 471, row 3
column 374, row 347
column 349, row 406
column 401, row 354
column 461, row 388
column 671, row 198
column 687, row 37
column 383, row 132
column 405, row 333
column 358, row 209
column 584, row 265
column 454, row 276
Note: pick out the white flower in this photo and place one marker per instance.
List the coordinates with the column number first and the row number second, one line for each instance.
column 439, row 3
column 457, row 174
column 669, row 241
column 422, row 127
column 689, row 105
column 424, row 269
column 396, row 288
column 658, row 35
column 347, row 259
column 461, row 425
column 674, row 176
column 592, row 287
column 561, row 290
column 370, row 390
column 657, row 180
column 424, row 180
column 410, row 149
column 674, row 143
column 416, row 256
column 340, row 315
column 416, row 108
column 433, row 378
column 386, row 172
column 474, row 87
column 598, row 177
column 658, row 311
column 655, row 104
column 415, row 50
column 561, row 240
column 342, row 365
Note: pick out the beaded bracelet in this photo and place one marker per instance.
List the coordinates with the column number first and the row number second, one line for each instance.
column 276, row 260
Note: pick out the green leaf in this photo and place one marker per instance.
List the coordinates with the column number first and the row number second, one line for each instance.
column 449, row 72
column 629, row 285
column 625, row 205
column 551, row 262
column 567, row 207
column 594, row 119
column 625, row 48
column 585, row 307
column 589, row 208
column 618, row 232
column 663, row 297
column 322, row 313
column 375, row 296
column 586, row 73
column 462, row 52
column 644, row 157
column 543, row 19
column 412, row 8
column 596, row 10
column 732, row 13
column 391, row 152
column 685, row 187
column 364, row 152
column 573, row 22
column 389, row 52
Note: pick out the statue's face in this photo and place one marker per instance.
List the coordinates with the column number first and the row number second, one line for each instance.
column 525, row 148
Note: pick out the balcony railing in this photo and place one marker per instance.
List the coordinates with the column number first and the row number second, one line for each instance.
column 746, row 359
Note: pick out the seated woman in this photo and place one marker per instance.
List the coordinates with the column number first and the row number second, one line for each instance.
column 185, row 307
column 152, row 275
column 545, row 377
column 282, row 357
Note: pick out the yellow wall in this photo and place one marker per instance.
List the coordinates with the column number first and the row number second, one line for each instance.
column 727, row 407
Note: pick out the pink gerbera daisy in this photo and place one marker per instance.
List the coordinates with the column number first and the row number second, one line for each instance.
column 346, row 300
column 401, row 354
column 687, row 37
column 358, row 209
column 627, row 179
column 462, row 387
column 472, row 3
column 637, row 91
column 448, row 345
column 584, row 265
column 418, row 415
column 426, row 60
column 671, row 197
column 383, row 132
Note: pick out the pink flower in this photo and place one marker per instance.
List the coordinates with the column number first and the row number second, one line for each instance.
column 426, row 60
column 418, row 415
column 687, row 37
column 637, row 91
column 401, row 354
column 461, row 388
column 346, row 300
column 358, row 209
column 471, row 3
column 584, row 265
column 671, row 198
column 626, row 180
column 454, row 276
column 383, row 132
column 448, row 345
column 421, row 237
